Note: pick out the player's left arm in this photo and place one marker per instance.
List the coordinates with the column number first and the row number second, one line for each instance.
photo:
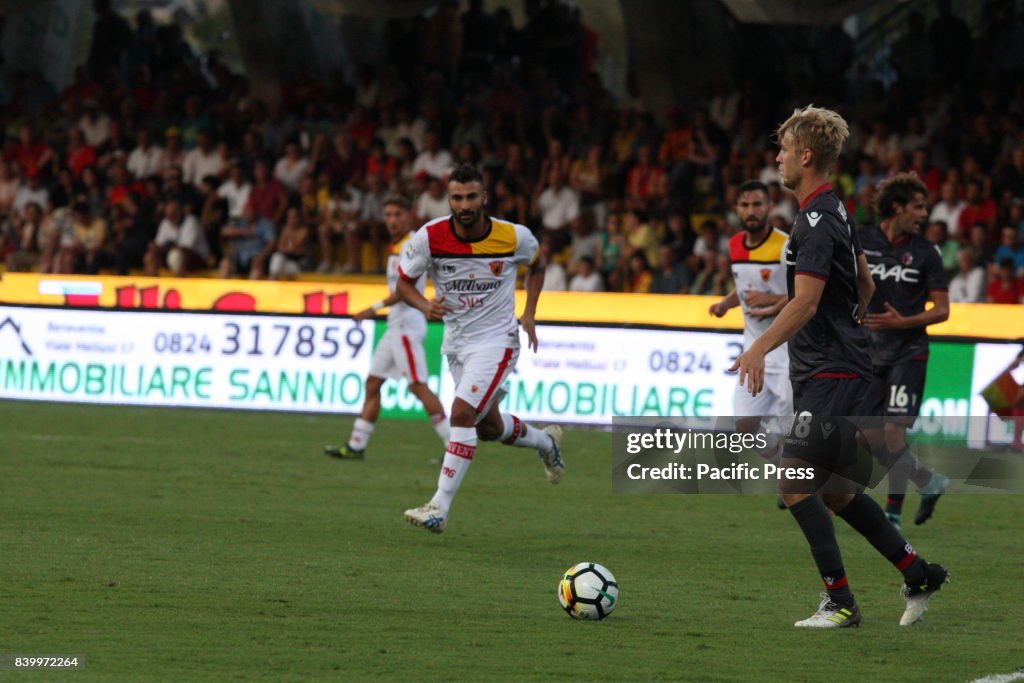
column 528, row 251
column 368, row 312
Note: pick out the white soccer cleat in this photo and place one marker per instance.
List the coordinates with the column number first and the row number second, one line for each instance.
column 427, row 516
column 917, row 597
column 552, row 459
column 831, row 615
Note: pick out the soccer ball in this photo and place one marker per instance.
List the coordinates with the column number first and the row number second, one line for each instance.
column 588, row 591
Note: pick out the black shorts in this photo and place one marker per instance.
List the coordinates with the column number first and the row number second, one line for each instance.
column 837, row 394
column 900, row 389
column 829, row 411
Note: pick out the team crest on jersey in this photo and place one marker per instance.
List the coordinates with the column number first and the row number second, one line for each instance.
column 448, row 269
column 766, row 274
column 497, row 267
column 907, row 259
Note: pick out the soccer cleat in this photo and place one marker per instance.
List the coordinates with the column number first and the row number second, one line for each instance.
column 897, row 520
column 917, row 597
column 930, row 496
column 427, row 516
column 831, row 615
column 553, row 465
column 344, row 452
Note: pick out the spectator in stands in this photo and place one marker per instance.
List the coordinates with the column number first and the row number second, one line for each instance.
column 979, row 245
column 90, row 233
column 172, row 155
column 1010, row 249
column 554, row 273
column 291, row 167
column 180, row 243
column 235, row 190
column 9, row 185
column 639, row 277
column 558, row 206
column 23, row 238
column 613, row 243
column 671, row 277
column 968, row 285
column 979, row 208
column 78, row 155
column 144, row 159
column 644, row 176
column 704, row 280
column 509, row 202
column 133, row 230
column 248, row 245
column 34, row 192
column 1006, row 287
column 937, row 233
column 268, row 195
column 94, row 124
column 291, row 248
column 29, row 154
column 202, row 160
column 433, row 160
column 948, row 209
column 340, row 212
column 433, row 203
column 369, row 225
column 586, row 279
column 586, row 241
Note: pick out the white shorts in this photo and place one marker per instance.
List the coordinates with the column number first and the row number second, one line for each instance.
column 400, row 354
column 775, row 399
column 480, row 373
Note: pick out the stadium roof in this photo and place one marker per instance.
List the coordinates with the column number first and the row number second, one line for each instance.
column 808, row 12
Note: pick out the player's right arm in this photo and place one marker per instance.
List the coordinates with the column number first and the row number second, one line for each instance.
column 413, row 263
column 721, row 307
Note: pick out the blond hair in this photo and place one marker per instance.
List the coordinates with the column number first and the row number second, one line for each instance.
column 820, row 130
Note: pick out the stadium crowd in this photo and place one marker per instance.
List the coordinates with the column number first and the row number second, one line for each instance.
column 156, row 158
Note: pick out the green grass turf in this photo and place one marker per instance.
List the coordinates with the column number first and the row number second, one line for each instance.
column 196, row 545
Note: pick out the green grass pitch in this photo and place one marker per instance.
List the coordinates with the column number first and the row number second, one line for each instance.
column 193, row 545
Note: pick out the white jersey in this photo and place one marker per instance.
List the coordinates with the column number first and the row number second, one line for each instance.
column 760, row 269
column 477, row 279
column 401, row 314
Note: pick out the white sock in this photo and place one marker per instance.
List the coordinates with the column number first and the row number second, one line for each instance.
column 522, row 435
column 440, row 422
column 457, row 458
column 361, row 432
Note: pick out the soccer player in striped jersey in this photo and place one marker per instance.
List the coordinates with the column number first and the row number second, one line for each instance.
column 472, row 259
column 760, row 276
column 400, row 351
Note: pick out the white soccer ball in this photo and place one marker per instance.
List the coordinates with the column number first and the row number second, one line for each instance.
column 588, row 591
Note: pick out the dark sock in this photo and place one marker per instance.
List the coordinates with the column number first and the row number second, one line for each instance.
column 900, row 466
column 894, row 503
column 812, row 516
column 919, row 474
column 864, row 515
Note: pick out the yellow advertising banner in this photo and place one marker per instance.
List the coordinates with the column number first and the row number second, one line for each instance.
column 991, row 321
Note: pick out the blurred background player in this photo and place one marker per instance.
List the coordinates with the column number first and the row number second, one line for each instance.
column 472, row 259
column 755, row 254
column 907, row 270
column 400, row 351
column 830, row 366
